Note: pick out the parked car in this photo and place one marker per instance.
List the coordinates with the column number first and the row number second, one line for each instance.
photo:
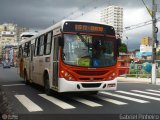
column 6, row 64
column 12, row 64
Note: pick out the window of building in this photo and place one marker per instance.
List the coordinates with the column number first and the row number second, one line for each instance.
column 122, row 64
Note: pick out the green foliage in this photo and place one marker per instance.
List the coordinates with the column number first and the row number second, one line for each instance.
column 131, row 75
column 123, row 48
column 158, row 53
column 133, row 71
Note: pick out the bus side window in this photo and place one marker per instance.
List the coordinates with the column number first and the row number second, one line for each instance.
column 24, row 50
column 41, row 45
column 32, row 51
column 20, row 51
column 48, row 44
column 36, row 52
column 28, row 49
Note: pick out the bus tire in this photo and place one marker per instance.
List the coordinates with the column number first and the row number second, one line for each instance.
column 46, row 84
column 26, row 78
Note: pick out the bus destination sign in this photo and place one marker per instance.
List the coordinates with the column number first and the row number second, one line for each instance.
column 82, row 27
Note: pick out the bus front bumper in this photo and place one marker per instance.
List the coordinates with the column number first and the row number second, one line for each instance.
column 77, row 86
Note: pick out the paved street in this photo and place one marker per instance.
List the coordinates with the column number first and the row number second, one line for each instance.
column 129, row 98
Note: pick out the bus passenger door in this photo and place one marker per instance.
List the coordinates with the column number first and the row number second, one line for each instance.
column 55, row 61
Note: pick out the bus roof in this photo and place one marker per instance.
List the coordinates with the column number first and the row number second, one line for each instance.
column 28, row 33
column 60, row 25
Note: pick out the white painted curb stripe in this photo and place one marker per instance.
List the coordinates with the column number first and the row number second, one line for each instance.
column 12, row 85
column 111, row 100
column 57, row 102
column 26, row 102
column 125, row 97
column 88, row 102
column 157, row 91
column 149, row 93
column 140, row 95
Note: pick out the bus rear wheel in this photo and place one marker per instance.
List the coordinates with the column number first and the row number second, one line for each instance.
column 46, row 85
column 26, row 78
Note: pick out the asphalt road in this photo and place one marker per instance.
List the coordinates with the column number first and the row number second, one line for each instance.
column 30, row 101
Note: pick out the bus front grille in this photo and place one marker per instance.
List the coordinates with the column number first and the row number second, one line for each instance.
column 91, row 85
column 91, row 73
column 90, row 78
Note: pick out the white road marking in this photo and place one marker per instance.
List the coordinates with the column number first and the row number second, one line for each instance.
column 26, row 102
column 56, row 101
column 125, row 97
column 157, row 91
column 111, row 100
column 149, row 93
column 12, row 85
column 131, row 82
column 140, row 95
column 88, row 102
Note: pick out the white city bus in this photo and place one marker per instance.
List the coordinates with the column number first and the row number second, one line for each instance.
column 26, row 35
column 71, row 56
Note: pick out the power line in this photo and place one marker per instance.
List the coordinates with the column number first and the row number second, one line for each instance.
column 131, row 27
column 78, row 10
column 139, row 25
column 81, row 9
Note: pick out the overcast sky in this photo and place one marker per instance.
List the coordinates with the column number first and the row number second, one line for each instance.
column 40, row 14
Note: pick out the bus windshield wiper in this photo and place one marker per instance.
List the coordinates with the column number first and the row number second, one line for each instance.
column 82, row 39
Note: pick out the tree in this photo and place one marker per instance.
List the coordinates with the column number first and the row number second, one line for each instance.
column 158, row 53
column 123, row 48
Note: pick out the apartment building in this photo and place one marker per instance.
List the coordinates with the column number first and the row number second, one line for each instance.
column 113, row 15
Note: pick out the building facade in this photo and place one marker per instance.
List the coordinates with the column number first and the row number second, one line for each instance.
column 146, row 44
column 113, row 15
column 146, row 41
column 123, row 64
column 9, row 35
column 9, row 52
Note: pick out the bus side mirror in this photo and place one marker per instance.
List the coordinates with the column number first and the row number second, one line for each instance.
column 61, row 41
column 119, row 42
column 117, row 46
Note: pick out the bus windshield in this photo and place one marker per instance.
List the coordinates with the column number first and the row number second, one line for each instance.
column 88, row 51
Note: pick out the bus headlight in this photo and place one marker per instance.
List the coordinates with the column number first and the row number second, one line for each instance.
column 70, row 78
column 114, row 74
column 111, row 77
column 66, row 75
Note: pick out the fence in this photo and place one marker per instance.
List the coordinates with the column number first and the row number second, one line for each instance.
column 145, row 75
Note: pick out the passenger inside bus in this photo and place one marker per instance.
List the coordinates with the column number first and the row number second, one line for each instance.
column 97, row 55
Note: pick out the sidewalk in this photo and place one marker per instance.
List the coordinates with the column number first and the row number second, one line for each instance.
column 137, row 80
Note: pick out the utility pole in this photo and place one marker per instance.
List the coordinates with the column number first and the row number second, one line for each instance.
column 154, row 43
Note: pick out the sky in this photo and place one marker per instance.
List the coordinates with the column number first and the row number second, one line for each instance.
column 40, row 14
